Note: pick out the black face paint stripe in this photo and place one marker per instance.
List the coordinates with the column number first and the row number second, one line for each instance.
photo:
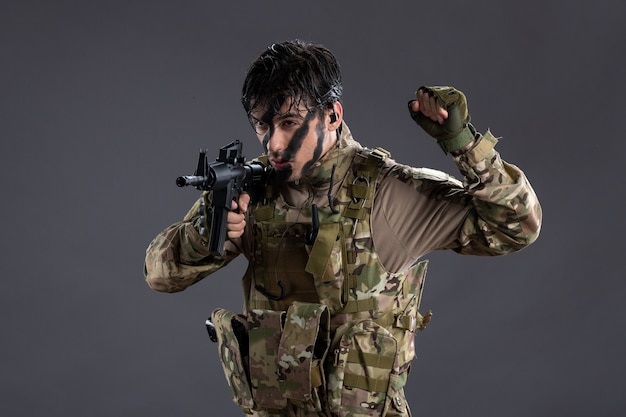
column 318, row 148
column 268, row 119
column 297, row 140
column 266, row 141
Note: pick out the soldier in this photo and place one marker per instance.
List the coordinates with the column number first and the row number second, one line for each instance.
column 334, row 244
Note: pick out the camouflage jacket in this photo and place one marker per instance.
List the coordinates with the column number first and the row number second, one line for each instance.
column 358, row 285
column 493, row 211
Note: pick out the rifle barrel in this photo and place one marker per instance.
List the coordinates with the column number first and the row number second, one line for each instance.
column 194, row 180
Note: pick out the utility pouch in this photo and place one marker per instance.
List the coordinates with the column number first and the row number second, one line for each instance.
column 303, row 347
column 327, row 260
column 265, row 328
column 231, row 331
column 362, row 369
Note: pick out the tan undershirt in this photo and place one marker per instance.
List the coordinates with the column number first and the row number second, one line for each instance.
column 407, row 224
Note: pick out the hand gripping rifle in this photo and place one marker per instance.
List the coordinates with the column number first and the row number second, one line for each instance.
column 227, row 177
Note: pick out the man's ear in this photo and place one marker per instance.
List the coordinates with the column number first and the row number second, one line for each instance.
column 335, row 115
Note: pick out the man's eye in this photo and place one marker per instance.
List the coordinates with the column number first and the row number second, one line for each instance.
column 259, row 126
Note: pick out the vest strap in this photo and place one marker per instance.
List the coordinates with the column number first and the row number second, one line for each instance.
column 362, row 188
column 365, row 383
column 371, row 359
column 355, row 306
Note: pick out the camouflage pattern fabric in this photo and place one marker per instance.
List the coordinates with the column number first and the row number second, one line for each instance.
column 264, row 338
column 351, row 283
column 232, row 355
column 302, row 350
column 373, row 312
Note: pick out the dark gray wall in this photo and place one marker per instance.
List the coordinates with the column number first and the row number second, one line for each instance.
column 104, row 103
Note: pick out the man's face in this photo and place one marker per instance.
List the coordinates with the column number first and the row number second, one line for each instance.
column 293, row 137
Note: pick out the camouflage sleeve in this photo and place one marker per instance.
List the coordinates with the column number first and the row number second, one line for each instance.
column 178, row 257
column 507, row 214
column 492, row 212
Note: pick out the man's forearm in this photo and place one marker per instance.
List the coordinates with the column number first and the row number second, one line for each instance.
column 178, row 258
column 508, row 212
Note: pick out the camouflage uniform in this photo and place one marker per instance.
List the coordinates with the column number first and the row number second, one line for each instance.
column 340, row 339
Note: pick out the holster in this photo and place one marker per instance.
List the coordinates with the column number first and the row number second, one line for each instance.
column 232, row 335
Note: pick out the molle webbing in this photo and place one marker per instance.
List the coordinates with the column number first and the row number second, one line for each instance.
column 340, row 269
column 372, row 360
column 334, row 286
column 362, row 188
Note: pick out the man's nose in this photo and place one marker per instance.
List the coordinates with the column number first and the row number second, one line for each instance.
column 277, row 142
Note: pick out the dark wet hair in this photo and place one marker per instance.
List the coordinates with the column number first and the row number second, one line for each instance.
column 302, row 71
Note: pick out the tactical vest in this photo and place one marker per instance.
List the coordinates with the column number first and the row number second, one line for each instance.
column 326, row 327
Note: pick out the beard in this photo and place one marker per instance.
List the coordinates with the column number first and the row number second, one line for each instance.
column 283, row 175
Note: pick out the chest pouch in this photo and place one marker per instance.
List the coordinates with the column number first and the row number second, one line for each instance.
column 283, row 361
column 302, row 350
column 327, row 262
column 265, row 329
column 362, row 369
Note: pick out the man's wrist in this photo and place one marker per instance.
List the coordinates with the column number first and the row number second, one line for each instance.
column 464, row 149
column 461, row 142
column 481, row 149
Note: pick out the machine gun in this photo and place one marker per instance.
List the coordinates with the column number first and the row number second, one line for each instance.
column 227, row 177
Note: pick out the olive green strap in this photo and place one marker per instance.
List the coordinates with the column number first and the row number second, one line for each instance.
column 355, row 306
column 370, row 359
column 373, row 360
column 365, row 383
column 464, row 138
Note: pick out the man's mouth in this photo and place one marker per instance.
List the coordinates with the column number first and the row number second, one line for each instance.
column 280, row 163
